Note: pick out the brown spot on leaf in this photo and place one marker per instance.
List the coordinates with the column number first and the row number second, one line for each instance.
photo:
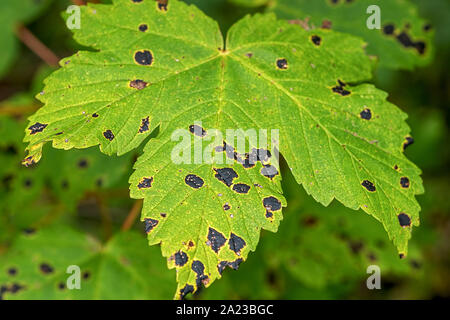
column 162, row 4
column 138, row 84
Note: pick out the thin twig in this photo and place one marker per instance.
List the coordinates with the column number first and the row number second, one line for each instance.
column 132, row 215
column 37, row 46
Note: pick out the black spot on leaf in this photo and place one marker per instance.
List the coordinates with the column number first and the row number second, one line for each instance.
column 83, row 163
column 215, row 239
column 226, row 207
column 282, row 64
column 37, row 127
column 186, row 290
column 197, row 130
column 316, row 40
column 235, row 264
column 138, row 84
column 409, row 141
column 388, row 29
column 236, row 243
column 221, row 266
column 46, row 268
column 272, row 203
column 366, row 114
column 368, row 185
column 144, row 57
column 226, row 175
column 162, row 4
column 199, row 268
column 12, row 271
column 95, row 115
column 194, row 181
column 143, row 27
column 145, row 183
column 404, row 220
column 404, row 182
column 108, row 135
column 269, row 171
column 150, row 224
column 86, row 275
column 181, row 258
column 269, row 214
column 241, row 188
column 145, row 125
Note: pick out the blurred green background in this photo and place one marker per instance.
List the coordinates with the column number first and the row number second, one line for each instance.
column 71, row 207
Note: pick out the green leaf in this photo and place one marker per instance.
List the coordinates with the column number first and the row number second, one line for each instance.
column 36, row 265
column 403, row 42
column 249, row 3
column 341, row 139
column 13, row 12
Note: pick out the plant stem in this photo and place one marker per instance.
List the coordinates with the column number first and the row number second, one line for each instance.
column 132, row 215
column 37, row 46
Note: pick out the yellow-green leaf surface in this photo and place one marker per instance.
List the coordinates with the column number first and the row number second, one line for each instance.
column 169, row 66
column 403, row 41
column 13, row 12
column 38, row 266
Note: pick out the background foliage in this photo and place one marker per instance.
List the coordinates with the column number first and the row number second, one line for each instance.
column 70, row 209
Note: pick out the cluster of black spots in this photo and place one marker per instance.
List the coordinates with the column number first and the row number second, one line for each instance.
column 108, row 135
column 145, row 183
column 282, row 64
column 150, row 224
column 404, row 182
column 186, row 290
column 162, row 4
column 37, row 127
column 388, row 29
column 408, row 141
column 233, row 265
column 138, row 84
column 14, row 288
column 369, row 186
column 194, row 181
column 215, row 239
column 271, row 203
column 226, row 175
column 269, row 171
column 46, row 268
column 226, row 207
column 145, row 125
column 143, row 27
column 199, row 268
column 404, row 220
column 404, row 39
column 340, row 89
column 181, row 258
column 144, row 58
column 316, row 40
column 236, row 243
column 366, row 114
column 95, row 115
column 407, row 42
column 83, row 164
column 197, row 130
column 241, row 188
